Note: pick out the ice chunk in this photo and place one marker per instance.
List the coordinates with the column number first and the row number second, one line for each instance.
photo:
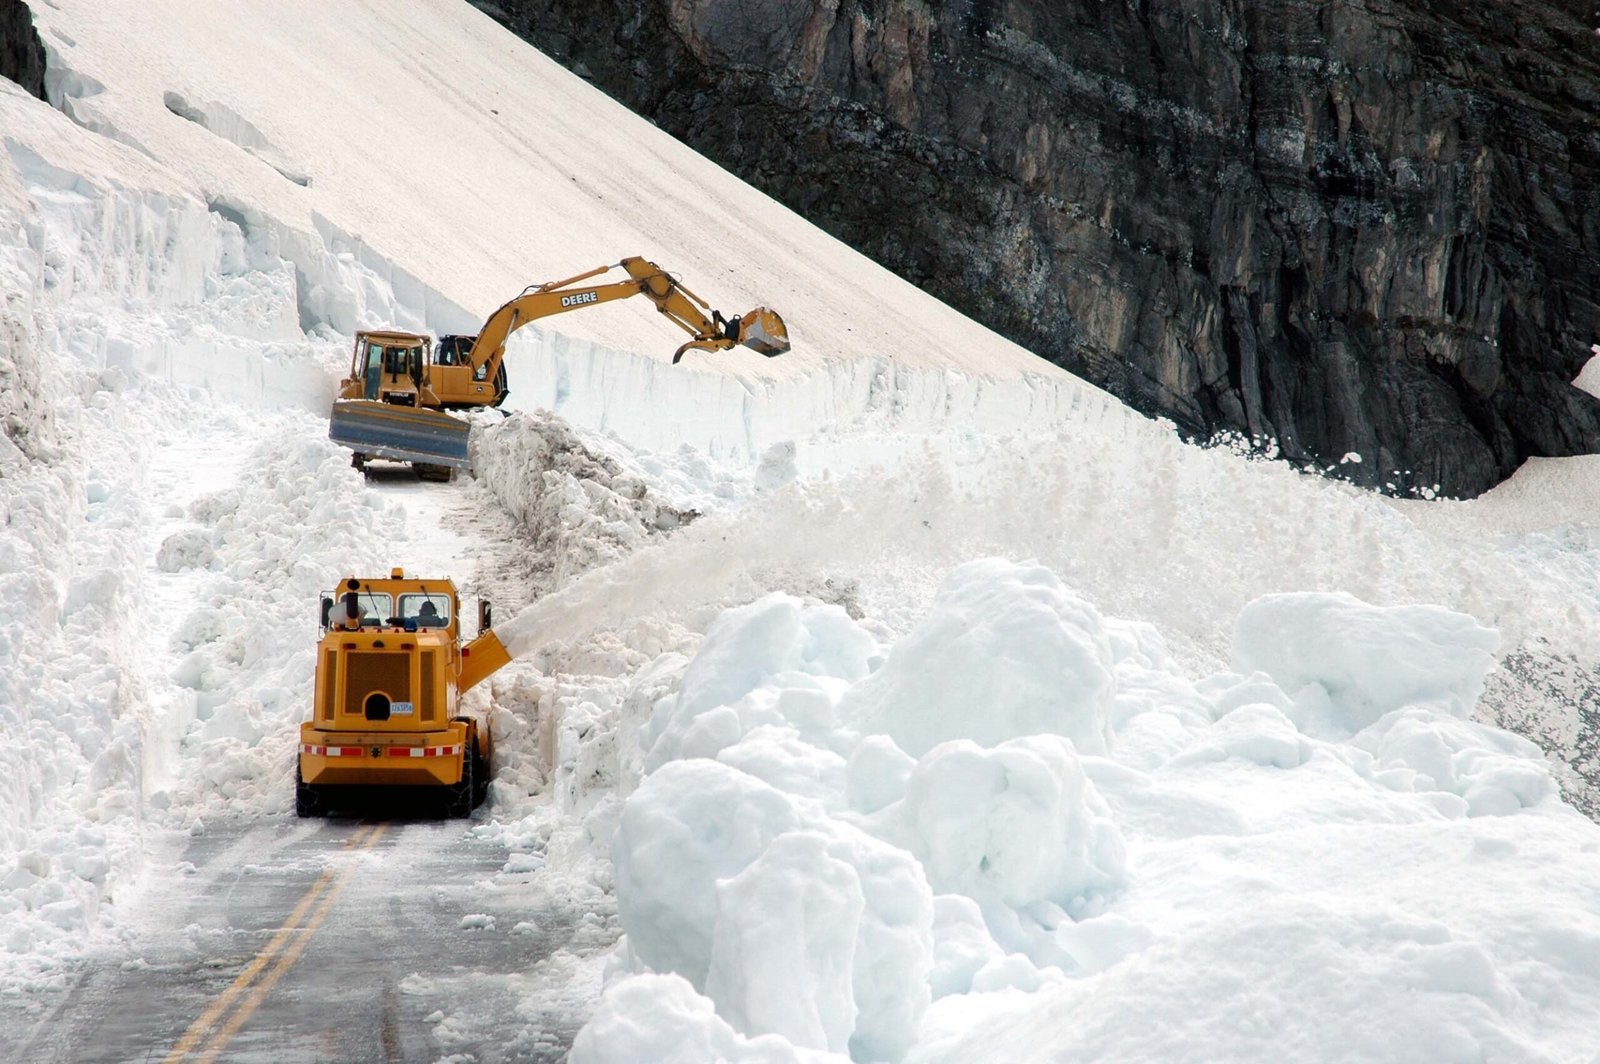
column 1366, row 660
column 785, row 941
column 688, row 825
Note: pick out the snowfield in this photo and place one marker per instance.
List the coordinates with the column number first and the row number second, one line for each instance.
column 899, row 699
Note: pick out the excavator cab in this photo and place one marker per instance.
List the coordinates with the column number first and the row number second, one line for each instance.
column 388, row 367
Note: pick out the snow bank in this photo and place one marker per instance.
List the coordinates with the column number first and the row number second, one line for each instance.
column 740, row 417
column 138, row 319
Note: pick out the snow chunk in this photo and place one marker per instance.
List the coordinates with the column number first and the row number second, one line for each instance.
column 661, row 1018
column 1495, row 771
column 688, row 825
column 1018, row 825
column 876, row 774
column 699, row 837
column 962, row 944
column 774, row 661
column 1006, row 651
column 1256, row 732
column 1348, row 663
column 785, row 942
column 780, row 757
column 189, row 548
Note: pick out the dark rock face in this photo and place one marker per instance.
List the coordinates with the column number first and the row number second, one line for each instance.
column 21, row 51
column 1365, row 226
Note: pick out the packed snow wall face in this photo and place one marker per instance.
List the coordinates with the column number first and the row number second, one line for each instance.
column 21, row 51
column 1347, row 227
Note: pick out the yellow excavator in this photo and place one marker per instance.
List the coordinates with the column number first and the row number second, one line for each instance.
column 392, row 404
column 391, row 669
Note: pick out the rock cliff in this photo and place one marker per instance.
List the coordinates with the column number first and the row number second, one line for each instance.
column 1362, row 227
column 21, row 52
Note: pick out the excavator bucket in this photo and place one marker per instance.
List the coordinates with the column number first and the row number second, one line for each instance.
column 399, row 433
column 763, row 331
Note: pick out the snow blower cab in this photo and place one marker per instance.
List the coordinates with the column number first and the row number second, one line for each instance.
column 391, row 670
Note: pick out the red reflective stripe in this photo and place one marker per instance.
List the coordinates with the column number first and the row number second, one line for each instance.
column 393, row 751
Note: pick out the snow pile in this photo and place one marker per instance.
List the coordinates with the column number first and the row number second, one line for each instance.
column 246, row 644
column 809, row 878
column 579, row 509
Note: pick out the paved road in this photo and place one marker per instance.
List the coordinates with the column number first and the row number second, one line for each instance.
column 292, row 940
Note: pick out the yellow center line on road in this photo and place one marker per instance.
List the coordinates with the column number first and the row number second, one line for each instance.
column 362, row 839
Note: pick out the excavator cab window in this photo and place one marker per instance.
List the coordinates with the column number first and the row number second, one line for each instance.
column 374, row 369
column 453, row 350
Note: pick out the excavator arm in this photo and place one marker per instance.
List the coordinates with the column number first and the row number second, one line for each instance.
column 761, row 330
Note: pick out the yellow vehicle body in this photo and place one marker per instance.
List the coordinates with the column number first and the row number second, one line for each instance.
column 391, row 670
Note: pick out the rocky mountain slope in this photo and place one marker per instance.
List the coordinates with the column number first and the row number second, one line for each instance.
column 21, row 53
column 1350, row 227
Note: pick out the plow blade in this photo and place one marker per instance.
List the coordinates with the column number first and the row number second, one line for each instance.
column 399, row 433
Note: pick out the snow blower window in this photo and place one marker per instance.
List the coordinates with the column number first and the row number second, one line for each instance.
column 376, row 609
column 429, row 611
